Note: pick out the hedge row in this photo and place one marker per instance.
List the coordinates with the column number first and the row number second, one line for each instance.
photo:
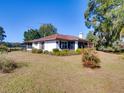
column 57, row 52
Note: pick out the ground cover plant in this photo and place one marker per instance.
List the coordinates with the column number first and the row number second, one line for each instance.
column 37, row 51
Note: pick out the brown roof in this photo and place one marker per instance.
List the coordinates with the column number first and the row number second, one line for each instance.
column 58, row 37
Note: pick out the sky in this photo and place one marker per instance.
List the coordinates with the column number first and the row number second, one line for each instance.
column 17, row 16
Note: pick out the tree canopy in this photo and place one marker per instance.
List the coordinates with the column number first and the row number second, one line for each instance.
column 2, row 34
column 31, row 34
column 44, row 30
column 92, row 38
column 47, row 29
column 106, row 17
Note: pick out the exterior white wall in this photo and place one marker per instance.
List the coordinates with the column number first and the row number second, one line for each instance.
column 37, row 45
column 122, row 39
column 29, row 49
column 76, row 45
column 50, row 45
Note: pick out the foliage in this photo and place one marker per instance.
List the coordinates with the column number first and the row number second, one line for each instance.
column 31, row 34
column 90, row 59
column 37, row 51
column 65, row 53
column 2, row 34
column 79, row 51
column 92, row 38
column 47, row 29
column 106, row 18
column 73, row 52
column 108, row 49
column 60, row 53
column 15, row 49
column 46, row 52
column 3, row 48
column 44, row 30
column 117, row 46
column 55, row 50
column 7, row 65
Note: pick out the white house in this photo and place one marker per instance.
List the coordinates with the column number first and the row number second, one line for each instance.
column 58, row 41
column 122, row 38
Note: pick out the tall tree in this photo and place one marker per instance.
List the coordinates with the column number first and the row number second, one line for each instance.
column 31, row 34
column 106, row 17
column 92, row 38
column 47, row 29
column 2, row 34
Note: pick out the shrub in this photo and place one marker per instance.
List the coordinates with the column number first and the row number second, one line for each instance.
column 65, row 50
column 90, row 59
column 65, row 53
column 108, row 49
column 101, row 48
column 34, row 50
column 79, row 51
column 38, row 51
column 72, row 52
column 15, row 49
column 3, row 48
column 46, row 52
column 55, row 50
column 7, row 65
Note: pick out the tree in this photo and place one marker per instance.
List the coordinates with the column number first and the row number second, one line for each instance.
column 2, row 34
column 92, row 38
column 31, row 34
column 47, row 29
column 106, row 17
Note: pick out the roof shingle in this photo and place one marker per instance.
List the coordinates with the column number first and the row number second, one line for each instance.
column 57, row 37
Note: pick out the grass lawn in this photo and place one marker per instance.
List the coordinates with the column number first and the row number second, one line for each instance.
column 50, row 74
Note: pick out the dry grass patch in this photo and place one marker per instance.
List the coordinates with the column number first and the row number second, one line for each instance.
column 50, row 74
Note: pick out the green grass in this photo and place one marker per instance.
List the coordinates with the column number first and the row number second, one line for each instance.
column 50, row 74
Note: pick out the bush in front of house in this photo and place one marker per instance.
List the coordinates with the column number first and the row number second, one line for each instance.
column 46, row 52
column 60, row 53
column 34, row 50
column 73, row 52
column 55, row 50
column 90, row 59
column 79, row 51
column 37, row 51
column 64, row 52
column 7, row 65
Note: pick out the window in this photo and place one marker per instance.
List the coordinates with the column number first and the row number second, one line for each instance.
column 71, row 45
column 63, row 45
column 29, row 45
